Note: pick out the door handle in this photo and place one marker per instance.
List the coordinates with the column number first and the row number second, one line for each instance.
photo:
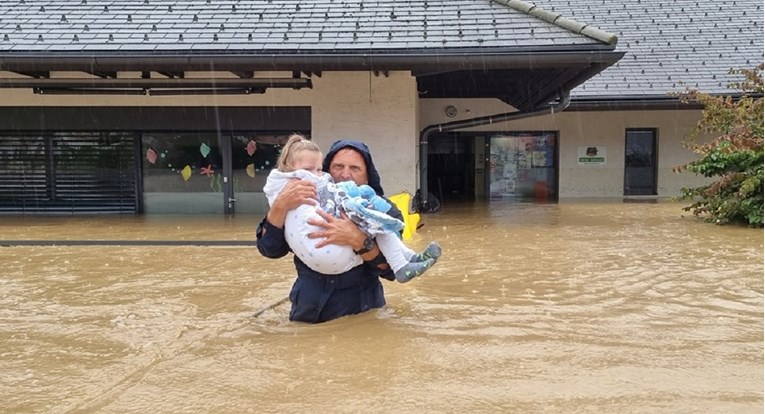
column 230, row 200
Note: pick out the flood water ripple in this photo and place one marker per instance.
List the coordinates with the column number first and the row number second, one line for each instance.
column 577, row 307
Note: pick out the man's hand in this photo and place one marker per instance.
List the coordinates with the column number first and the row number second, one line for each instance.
column 334, row 230
column 295, row 193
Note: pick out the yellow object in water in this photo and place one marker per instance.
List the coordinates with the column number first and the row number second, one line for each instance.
column 411, row 220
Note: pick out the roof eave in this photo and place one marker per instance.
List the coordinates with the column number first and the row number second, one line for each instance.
column 638, row 102
column 218, row 61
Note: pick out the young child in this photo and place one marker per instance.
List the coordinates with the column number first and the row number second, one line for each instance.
column 301, row 158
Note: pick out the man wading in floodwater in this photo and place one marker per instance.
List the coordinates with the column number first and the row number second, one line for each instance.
column 316, row 297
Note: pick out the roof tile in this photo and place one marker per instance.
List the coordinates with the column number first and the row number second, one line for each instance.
column 663, row 38
column 482, row 23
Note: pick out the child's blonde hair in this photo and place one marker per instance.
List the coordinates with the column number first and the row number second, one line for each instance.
column 295, row 144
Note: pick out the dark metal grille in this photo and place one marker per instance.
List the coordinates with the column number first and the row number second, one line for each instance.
column 64, row 172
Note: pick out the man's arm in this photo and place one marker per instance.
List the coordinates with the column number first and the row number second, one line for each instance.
column 294, row 193
column 343, row 231
column 270, row 234
column 270, row 240
column 340, row 231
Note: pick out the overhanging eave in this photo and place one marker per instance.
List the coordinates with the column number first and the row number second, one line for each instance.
column 524, row 88
column 423, row 62
column 524, row 79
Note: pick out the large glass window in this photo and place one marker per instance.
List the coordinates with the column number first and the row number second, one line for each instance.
column 186, row 172
column 182, row 173
column 523, row 166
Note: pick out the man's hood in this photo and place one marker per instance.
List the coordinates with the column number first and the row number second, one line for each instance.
column 372, row 174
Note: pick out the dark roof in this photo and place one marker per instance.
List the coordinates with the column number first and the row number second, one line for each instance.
column 280, row 26
column 670, row 44
column 508, row 49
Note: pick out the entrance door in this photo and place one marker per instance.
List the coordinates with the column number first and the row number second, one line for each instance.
column 450, row 167
column 640, row 162
column 522, row 165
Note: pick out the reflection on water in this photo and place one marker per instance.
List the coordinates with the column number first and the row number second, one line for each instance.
column 569, row 307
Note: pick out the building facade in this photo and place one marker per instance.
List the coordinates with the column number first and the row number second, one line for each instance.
column 182, row 106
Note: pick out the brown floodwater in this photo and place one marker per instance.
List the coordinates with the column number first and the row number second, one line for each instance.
column 577, row 307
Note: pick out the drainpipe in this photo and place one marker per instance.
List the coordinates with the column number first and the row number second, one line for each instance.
column 564, row 98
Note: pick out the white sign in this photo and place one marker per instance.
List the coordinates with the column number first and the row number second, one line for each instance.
column 592, row 155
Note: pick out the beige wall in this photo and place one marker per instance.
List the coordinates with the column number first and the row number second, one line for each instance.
column 585, row 129
column 377, row 110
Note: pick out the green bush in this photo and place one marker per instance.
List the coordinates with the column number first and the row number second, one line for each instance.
column 735, row 157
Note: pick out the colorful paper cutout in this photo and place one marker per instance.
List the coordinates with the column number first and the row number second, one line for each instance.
column 186, row 173
column 215, row 183
column 252, row 146
column 208, row 171
column 204, row 149
column 151, row 156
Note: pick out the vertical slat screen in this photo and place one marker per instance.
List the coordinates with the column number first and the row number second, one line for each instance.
column 23, row 183
column 84, row 172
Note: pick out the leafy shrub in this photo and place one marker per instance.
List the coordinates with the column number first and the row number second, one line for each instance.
column 735, row 157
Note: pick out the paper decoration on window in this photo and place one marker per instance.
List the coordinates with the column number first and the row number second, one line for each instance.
column 204, row 149
column 215, row 183
column 186, row 173
column 208, row 171
column 251, row 170
column 151, row 155
column 251, row 147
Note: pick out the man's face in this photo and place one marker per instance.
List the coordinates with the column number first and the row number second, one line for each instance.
column 348, row 165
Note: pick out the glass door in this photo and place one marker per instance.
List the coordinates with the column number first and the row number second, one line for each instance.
column 640, row 162
column 252, row 158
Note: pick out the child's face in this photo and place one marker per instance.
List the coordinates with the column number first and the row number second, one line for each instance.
column 309, row 161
